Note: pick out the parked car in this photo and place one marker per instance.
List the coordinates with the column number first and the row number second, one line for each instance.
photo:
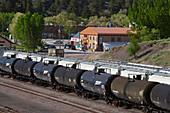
column 50, row 46
column 73, row 47
column 82, row 48
column 58, row 42
column 67, row 46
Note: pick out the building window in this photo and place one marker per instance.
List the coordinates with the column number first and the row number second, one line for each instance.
column 90, row 38
column 93, row 38
column 93, row 45
column 113, row 39
column 119, row 39
column 2, row 41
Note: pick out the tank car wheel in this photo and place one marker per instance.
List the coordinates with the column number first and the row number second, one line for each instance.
column 118, row 103
column 145, row 110
column 127, row 106
column 95, row 97
column 8, row 76
column 84, row 95
column 78, row 93
column 32, row 81
column 115, row 103
column 13, row 76
column 53, row 87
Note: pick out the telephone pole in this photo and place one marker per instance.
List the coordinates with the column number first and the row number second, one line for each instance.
column 2, row 23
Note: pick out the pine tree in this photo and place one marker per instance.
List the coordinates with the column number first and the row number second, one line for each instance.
column 73, row 7
column 151, row 15
column 38, row 7
column 85, row 12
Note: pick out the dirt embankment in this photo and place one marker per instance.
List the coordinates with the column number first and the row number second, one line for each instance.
column 151, row 52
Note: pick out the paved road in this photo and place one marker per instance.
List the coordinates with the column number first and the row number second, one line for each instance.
column 67, row 51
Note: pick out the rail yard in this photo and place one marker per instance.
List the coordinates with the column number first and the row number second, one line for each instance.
column 99, row 82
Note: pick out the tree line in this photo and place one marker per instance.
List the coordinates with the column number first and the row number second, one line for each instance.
column 149, row 18
column 82, row 8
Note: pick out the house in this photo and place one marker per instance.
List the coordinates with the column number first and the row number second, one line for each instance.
column 52, row 31
column 5, row 42
column 94, row 37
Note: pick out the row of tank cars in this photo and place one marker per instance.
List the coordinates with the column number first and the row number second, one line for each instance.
column 121, row 91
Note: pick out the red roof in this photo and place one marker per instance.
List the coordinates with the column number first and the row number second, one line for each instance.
column 107, row 30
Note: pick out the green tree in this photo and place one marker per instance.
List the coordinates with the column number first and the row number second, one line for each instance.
column 95, row 8
column 103, row 21
column 114, row 6
column 120, row 19
column 38, row 7
column 73, row 7
column 85, row 12
column 29, row 29
column 61, row 18
column 7, row 18
column 69, row 27
column 133, row 47
column 151, row 15
column 50, row 20
column 93, row 21
column 14, row 20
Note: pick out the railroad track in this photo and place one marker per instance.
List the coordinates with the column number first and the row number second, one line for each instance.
column 50, row 97
column 5, row 109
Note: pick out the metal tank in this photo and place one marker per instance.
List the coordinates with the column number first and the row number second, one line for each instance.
column 45, row 72
column 7, row 64
column 24, row 67
column 136, row 91
column 160, row 96
column 68, row 76
column 97, row 82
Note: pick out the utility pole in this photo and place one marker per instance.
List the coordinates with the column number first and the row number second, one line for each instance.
column 59, row 31
column 2, row 23
column 69, row 32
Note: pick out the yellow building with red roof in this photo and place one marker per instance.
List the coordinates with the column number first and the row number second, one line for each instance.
column 93, row 37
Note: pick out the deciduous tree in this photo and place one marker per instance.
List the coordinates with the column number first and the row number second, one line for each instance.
column 29, row 29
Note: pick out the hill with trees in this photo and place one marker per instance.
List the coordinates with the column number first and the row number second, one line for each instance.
column 83, row 8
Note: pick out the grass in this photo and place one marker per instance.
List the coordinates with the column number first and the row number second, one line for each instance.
column 161, row 58
column 157, row 42
column 21, row 48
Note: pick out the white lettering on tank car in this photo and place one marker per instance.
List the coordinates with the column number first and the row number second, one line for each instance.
column 115, row 92
column 74, row 80
column 7, row 64
column 102, row 87
column 57, row 78
column 45, row 72
column 98, row 83
column 82, row 84
column 49, row 76
column 141, row 93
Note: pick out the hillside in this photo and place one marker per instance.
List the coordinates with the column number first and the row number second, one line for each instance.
column 153, row 52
